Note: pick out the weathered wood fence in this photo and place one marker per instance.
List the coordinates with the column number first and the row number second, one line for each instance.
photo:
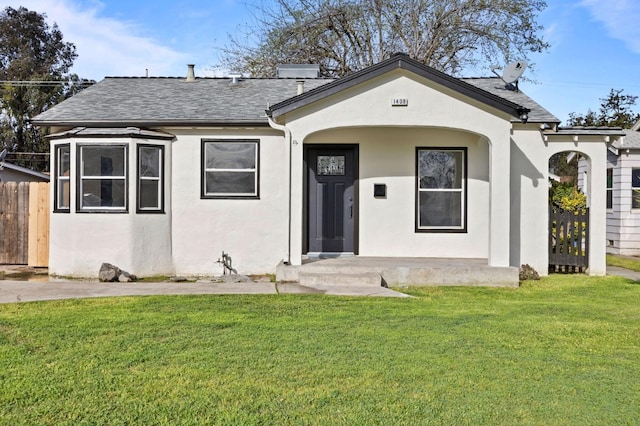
column 24, row 223
column 568, row 240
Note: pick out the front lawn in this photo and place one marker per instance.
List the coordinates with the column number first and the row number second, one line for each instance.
column 627, row 262
column 563, row 350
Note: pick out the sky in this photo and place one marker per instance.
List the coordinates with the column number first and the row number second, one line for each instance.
column 595, row 44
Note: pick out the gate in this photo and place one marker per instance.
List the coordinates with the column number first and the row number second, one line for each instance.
column 24, row 223
column 568, row 240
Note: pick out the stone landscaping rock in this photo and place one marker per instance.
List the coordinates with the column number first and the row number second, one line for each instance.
column 111, row 273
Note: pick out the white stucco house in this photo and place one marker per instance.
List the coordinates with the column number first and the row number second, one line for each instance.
column 398, row 160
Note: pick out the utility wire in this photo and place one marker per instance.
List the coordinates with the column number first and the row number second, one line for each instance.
column 43, row 82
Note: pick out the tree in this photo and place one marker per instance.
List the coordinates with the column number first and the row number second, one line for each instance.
column 345, row 36
column 615, row 110
column 34, row 66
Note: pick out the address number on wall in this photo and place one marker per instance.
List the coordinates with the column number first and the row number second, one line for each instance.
column 399, row 102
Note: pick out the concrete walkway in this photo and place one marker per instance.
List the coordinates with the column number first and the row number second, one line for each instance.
column 28, row 291
column 622, row 272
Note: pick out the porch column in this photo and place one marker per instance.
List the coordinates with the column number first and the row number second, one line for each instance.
column 597, row 198
column 297, row 191
column 500, row 199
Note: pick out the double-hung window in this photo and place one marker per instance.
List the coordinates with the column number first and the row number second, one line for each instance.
column 62, row 194
column 102, row 180
column 230, row 169
column 441, row 189
column 150, row 179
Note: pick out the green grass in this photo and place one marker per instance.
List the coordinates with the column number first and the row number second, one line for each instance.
column 624, row 262
column 563, row 350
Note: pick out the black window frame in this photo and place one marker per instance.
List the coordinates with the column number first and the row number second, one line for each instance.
column 464, row 192
column 58, row 178
column 609, row 188
column 80, row 177
column 204, row 171
column 635, row 189
column 139, row 178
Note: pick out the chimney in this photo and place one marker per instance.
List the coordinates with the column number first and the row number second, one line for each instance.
column 191, row 75
column 300, row 86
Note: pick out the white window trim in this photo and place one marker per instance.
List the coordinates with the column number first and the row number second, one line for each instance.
column 462, row 190
column 255, row 170
column 82, row 177
column 159, row 179
column 60, row 178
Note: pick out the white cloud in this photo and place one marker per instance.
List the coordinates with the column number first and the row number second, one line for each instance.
column 619, row 17
column 105, row 46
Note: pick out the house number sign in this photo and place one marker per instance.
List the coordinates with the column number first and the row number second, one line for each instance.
column 399, row 102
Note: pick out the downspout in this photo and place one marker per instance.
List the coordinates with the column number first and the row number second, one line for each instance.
column 288, row 141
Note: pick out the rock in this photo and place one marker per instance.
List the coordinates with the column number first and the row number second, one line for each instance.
column 111, row 273
column 177, row 279
column 108, row 273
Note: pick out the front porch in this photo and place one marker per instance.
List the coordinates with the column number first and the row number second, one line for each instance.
column 397, row 272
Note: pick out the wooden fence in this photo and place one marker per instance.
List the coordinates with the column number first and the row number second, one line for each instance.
column 24, row 223
column 568, row 240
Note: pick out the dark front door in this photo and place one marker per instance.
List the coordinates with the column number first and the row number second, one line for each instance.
column 331, row 208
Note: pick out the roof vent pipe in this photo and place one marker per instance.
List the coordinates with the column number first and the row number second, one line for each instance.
column 300, row 87
column 235, row 78
column 191, row 75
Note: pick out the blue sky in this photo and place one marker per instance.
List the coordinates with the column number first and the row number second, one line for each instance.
column 595, row 44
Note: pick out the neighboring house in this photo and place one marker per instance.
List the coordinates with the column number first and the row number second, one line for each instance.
column 396, row 160
column 13, row 173
column 623, row 193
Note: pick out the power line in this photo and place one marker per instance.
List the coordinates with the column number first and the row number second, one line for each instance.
column 45, row 82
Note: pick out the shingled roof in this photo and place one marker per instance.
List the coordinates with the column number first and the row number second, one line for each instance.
column 173, row 101
column 490, row 91
column 155, row 101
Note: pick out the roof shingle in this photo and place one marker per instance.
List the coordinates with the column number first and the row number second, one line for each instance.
column 153, row 101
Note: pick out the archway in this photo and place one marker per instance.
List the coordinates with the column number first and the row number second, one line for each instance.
column 568, row 212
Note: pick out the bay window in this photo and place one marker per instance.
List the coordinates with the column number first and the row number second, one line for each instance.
column 102, row 180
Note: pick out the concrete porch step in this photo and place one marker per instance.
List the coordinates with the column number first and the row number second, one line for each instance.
column 399, row 272
column 341, row 279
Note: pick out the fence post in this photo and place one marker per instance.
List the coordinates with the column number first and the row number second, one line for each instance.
column 38, row 224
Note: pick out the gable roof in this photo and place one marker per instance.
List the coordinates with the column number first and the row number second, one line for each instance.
column 403, row 61
column 172, row 101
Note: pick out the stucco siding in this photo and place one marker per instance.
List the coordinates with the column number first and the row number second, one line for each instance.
column 530, row 159
column 387, row 225
column 137, row 243
column 251, row 231
column 429, row 118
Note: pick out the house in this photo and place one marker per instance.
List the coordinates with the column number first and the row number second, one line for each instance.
column 623, row 193
column 397, row 160
column 10, row 172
